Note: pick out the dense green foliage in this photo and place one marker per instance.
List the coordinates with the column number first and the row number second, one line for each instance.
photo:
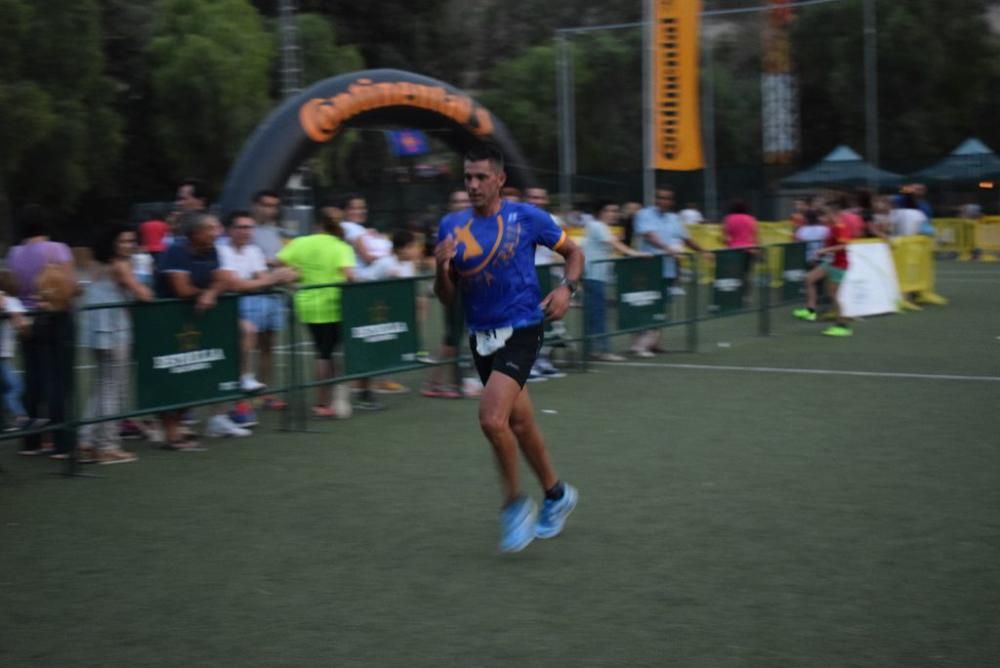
column 103, row 102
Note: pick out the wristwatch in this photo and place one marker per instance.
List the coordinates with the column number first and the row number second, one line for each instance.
column 572, row 285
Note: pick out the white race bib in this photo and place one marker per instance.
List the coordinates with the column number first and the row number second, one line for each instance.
column 490, row 341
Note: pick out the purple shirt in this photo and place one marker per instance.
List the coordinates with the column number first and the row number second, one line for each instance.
column 26, row 261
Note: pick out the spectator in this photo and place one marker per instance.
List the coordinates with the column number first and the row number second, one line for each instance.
column 919, row 191
column 814, row 233
column 45, row 275
column 437, row 386
column 13, row 324
column 543, row 368
column 907, row 220
column 260, row 315
column 154, row 235
column 107, row 332
column 882, row 217
column 190, row 269
column 661, row 232
column 629, row 211
column 690, row 215
column 320, row 259
column 739, row 230
column 367, row 243
column 268, row 235
column 511, row 194
column 600, row 244
column 866, row 210
column 192, row 195
column 798, row 217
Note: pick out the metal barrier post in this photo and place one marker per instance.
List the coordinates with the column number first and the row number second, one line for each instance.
column 762, row 278
column 692, row 306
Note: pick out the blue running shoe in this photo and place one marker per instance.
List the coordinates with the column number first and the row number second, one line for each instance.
column 552, row 519
column 517, row 524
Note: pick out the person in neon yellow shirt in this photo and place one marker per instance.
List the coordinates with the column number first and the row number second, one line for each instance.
column 319, row 259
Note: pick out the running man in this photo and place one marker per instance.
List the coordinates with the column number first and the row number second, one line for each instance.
column 487, row 253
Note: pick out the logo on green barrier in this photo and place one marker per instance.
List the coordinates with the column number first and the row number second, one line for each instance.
column 794, row 275
column 728, row 284
column 190, row 358
column 382, row 330
column 641, row 298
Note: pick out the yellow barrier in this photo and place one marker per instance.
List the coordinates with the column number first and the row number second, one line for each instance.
column 914, row 260
column 987, row 239
column 955, row 235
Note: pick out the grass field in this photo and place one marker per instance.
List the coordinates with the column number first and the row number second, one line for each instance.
column 733, row 513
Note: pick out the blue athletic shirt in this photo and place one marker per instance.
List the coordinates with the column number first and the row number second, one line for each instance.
column 495, row 261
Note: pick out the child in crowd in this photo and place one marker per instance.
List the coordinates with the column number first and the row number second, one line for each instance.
column 14, row 323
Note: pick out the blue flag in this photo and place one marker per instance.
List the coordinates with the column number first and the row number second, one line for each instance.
column 407, row 142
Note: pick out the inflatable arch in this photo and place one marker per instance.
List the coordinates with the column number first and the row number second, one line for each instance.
column 303, row 123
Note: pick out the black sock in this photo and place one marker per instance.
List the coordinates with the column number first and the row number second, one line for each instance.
column 555, row 492
column 811, row 310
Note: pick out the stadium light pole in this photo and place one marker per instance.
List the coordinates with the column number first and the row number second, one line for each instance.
column 871, row 92
column 565, row 95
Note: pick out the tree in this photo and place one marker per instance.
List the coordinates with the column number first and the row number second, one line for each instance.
column 322, row 58
column 58, row 127
column 937, row 74
column 210, row 66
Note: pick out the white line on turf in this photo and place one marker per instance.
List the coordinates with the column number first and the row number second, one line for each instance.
column 811, row 372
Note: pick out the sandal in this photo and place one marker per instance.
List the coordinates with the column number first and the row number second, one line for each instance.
column 115, row 456
column 184, row 444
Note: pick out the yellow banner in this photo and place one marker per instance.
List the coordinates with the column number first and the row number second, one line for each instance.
column 676, row 127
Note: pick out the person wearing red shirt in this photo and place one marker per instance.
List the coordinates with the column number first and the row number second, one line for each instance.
column 832, row 268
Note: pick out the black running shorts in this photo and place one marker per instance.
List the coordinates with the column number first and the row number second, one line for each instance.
column 515, row 359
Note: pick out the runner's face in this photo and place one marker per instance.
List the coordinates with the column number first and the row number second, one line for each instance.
column 483, row 182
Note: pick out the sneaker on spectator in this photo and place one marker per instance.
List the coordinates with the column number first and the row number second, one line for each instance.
column 274, row 403
column 115, row 456
column 130, row 431
column 243, row 414
column 323, row 412
column 536, row 375
column 471, row 387
column 248, row 383
column 389, row 387
column 341, row 404
column 548, row 369
column 607, row 357
column 220, row 426
column 640, row 352
column 367, row 402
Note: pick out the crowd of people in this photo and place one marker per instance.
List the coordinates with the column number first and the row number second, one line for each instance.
column 191, row 254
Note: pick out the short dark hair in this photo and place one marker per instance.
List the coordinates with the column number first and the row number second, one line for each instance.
column 401, row 239
column 104, row 247
column 192, row 221
column 486, row 151
column 233, row 216
column 602, row 204
column 260, row 194
column 198, row 189
column 329, row 218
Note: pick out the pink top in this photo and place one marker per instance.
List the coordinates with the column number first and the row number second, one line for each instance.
column 740, row 230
